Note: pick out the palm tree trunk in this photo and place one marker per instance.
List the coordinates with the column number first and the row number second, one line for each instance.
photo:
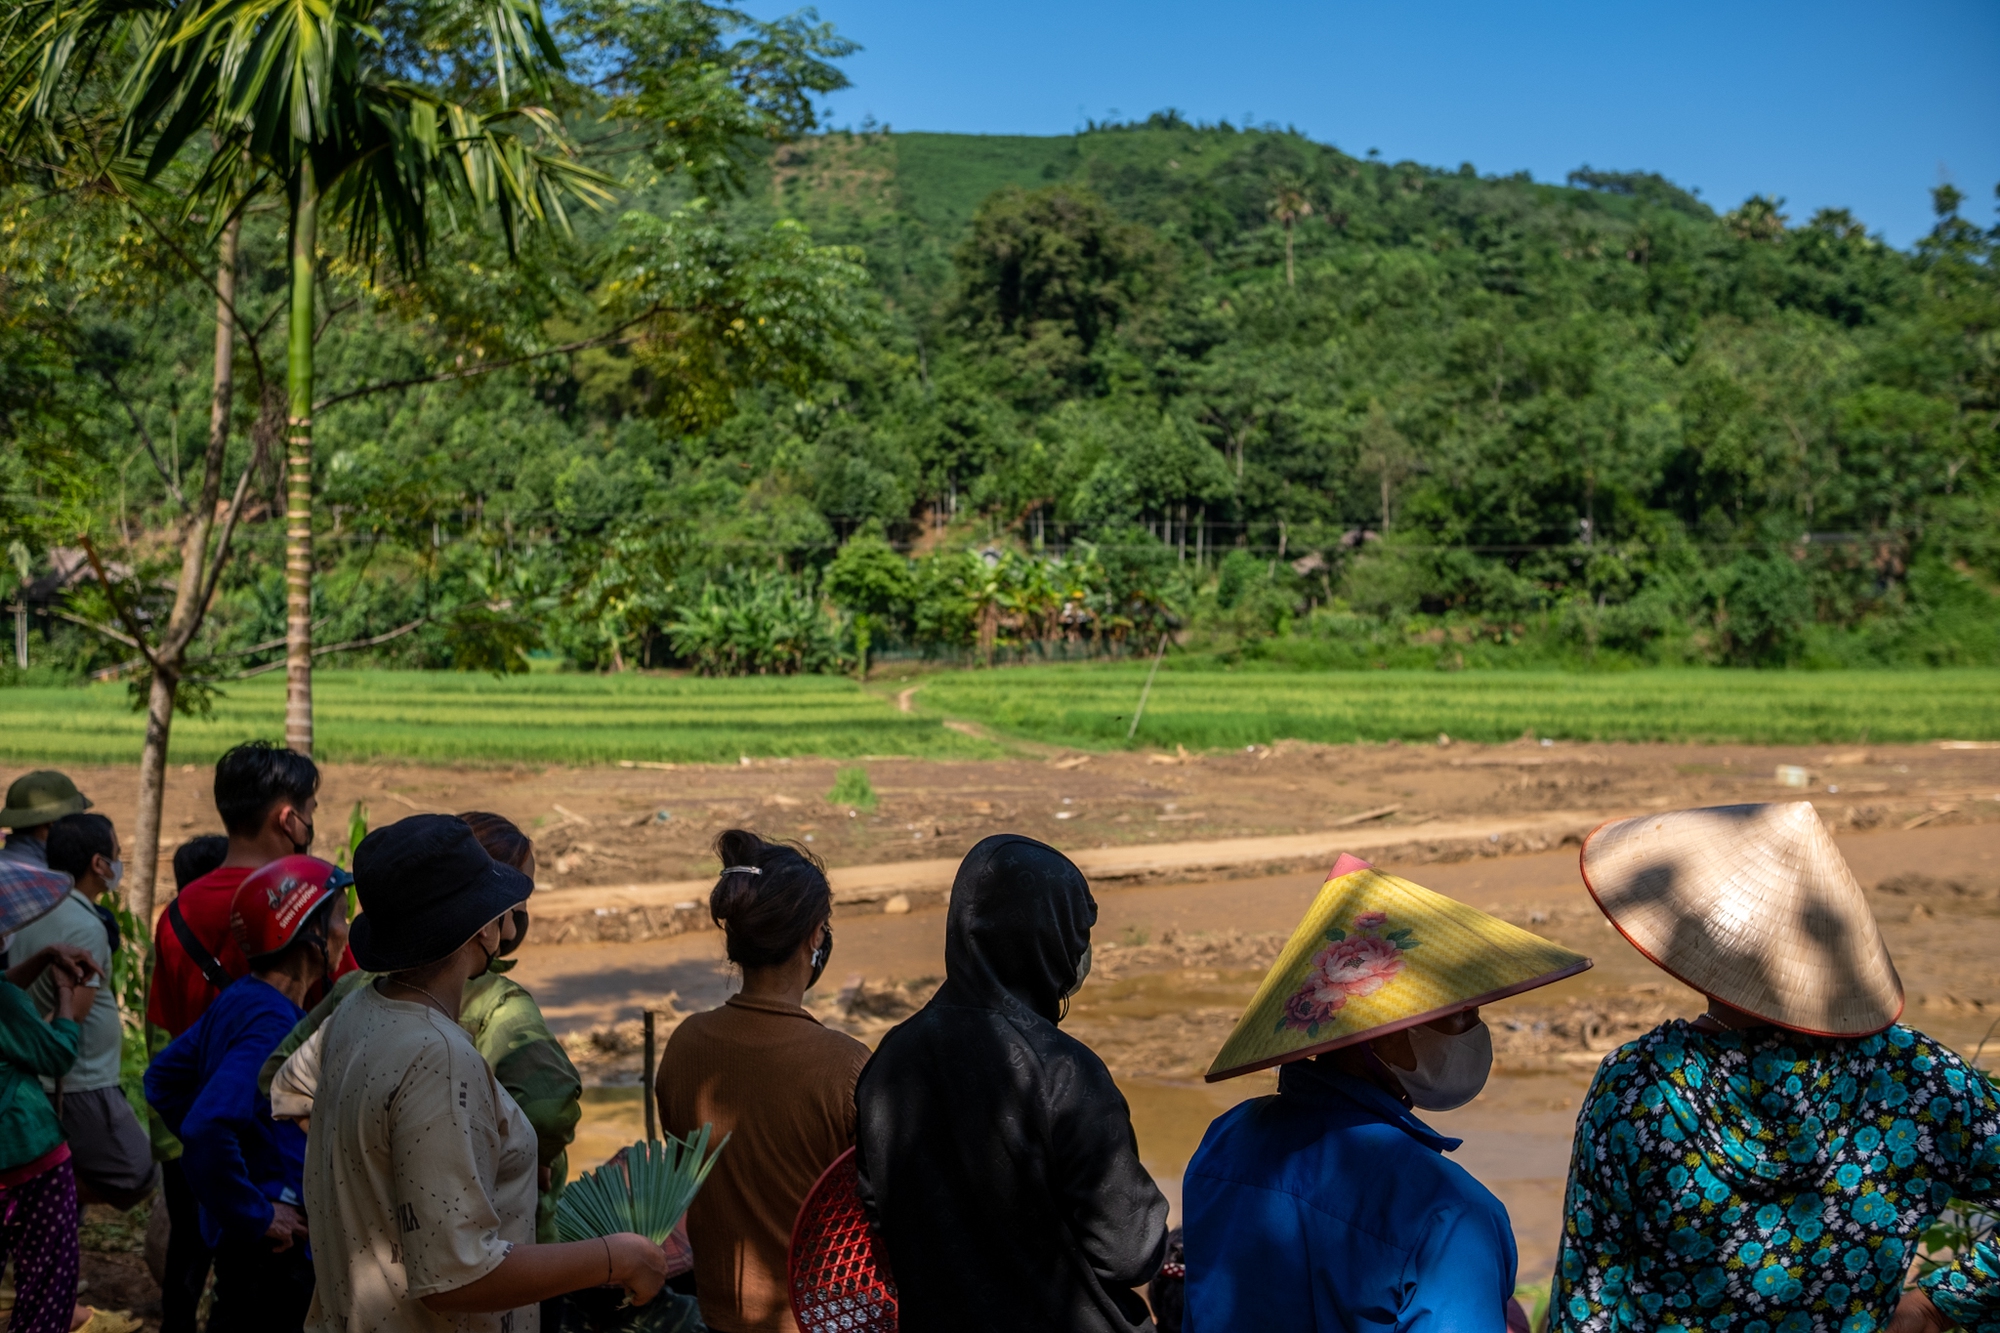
column 1288, row 254
column 184, row 621
column 298, row 468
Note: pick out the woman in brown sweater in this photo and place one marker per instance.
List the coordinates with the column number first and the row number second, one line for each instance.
column 762, row 1070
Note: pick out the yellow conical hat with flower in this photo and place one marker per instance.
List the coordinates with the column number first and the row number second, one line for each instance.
column 1374, row 954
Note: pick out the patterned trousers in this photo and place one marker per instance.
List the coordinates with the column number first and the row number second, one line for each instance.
column 38, row 1227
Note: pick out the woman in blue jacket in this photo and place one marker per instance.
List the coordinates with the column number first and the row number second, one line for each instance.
column 246, row 1169
column 1331, row 1207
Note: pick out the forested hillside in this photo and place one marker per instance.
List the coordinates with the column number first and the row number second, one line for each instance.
column 1000, row 397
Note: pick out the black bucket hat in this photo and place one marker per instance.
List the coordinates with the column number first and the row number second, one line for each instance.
column 426, row 887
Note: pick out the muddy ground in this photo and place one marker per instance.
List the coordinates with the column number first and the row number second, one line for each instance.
column 1176, row 961
column 617, row 825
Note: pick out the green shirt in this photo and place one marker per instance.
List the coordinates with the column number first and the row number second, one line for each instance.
column 75, row 921
column 507, row 1027
column 30, row 1047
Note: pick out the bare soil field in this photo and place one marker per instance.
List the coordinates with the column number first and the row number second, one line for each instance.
column 623, row 825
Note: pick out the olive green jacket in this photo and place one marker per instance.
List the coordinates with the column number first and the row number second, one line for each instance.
column 506, row 1025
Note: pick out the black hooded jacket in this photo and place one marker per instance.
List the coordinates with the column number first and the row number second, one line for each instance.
column 996, row 1154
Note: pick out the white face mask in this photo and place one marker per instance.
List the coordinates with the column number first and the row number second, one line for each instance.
column 1082, row 971
column 1451, row 1068
column 112, row 880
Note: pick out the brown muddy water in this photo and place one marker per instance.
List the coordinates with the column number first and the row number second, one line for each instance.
column 1176, row 963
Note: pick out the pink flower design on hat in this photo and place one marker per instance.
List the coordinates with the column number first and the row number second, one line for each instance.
column 1348, row 967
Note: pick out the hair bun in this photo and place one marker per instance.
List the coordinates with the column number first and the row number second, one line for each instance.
column 768, row 899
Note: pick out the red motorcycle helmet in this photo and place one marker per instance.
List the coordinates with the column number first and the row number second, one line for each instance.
column 276, row 900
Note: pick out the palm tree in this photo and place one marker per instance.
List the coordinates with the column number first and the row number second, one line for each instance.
column 1289, row 204
column 326, row 100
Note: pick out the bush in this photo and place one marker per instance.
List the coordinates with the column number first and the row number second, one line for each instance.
column 852, row 787
column 1762, row 606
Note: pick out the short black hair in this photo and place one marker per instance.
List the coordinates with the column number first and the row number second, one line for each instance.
column 197, row 856
column 255, row 776
column 74, row 839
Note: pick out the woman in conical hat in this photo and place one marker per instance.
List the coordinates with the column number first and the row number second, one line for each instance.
column 1768, row 1167
column 1331, row 1205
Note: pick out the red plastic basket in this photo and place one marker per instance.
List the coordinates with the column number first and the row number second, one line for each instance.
column 840, row 1280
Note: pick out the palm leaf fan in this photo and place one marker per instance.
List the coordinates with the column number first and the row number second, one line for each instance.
column 648, row 1195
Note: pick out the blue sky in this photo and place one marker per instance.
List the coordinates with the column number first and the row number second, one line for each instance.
column 1864, row 106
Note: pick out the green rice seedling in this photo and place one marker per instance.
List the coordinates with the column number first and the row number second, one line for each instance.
column 656, row 1184
column 1091, row 705
column 852, row 787
column 462, row 718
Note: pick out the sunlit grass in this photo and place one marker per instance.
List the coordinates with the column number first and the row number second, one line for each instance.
column 1092, row 705
column 449, row 717
column 445, row 717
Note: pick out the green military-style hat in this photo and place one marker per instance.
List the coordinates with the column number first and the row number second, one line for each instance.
column 40, row 798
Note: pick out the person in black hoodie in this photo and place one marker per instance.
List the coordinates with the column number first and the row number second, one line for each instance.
column 996, row 1156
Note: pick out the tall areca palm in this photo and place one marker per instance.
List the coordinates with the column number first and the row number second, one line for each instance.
column 341, row 104
column 1289, row 204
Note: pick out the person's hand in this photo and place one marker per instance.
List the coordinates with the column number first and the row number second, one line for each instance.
column 637, row 1265
column 544, row 1177
column 74, row 1002
column 72, row 964
column 1916, row 1314
column 287, row 1225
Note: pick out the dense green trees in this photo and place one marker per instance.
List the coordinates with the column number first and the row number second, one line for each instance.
column 993, row 396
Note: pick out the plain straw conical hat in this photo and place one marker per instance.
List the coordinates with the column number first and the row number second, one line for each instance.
column 1376, row 954
column 1753, row 905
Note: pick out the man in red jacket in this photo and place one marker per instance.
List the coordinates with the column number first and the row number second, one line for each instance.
column 266, row 796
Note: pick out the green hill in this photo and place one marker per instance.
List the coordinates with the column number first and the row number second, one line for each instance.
column 1303, row 407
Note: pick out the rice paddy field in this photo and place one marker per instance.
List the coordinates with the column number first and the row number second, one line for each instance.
column 448, row 718
column 1092, row 705
column 460, row 718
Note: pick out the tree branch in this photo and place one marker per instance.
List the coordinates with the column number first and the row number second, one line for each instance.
column 221, row 555
column 263, row 647
column 105, row 630
column 145, row 436
column 351, row 644
column 611, row 339
column 138, row 639
column 201, row 276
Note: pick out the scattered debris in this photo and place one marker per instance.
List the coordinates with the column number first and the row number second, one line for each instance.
column 1366, row 815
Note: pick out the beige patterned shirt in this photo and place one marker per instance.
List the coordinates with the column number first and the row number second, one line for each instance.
column 420, row 1172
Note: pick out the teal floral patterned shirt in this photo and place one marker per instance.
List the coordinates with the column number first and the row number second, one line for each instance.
column 1769, row 1182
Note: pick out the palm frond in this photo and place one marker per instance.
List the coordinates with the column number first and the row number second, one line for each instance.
column 657, row 1183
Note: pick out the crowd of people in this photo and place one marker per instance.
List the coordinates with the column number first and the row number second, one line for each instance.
column 363, row 1124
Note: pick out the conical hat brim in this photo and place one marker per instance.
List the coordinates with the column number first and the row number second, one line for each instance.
column 1753, row 905
column 1345, row 976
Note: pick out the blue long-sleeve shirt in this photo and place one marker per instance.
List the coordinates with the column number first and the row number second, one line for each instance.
column 239, row 1161
column 1330, row 1207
